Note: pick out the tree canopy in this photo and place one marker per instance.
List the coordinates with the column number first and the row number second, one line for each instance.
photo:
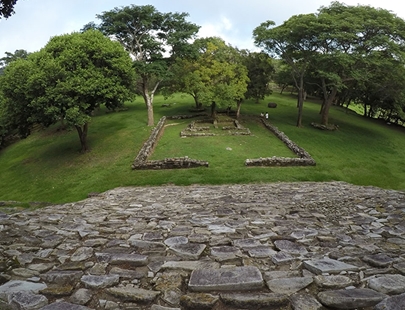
column 338, row 45
column 66, row 80
column 153, row 39
column 7, row 8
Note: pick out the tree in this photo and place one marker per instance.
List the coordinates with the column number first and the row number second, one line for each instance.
column 67, row 79
column 153, row 39
column 293, row 42
column 260, row 72
column 217, row 75
column 12, row 57
column 7, row 8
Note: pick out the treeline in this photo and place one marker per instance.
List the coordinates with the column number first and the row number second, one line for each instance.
column 342, row 54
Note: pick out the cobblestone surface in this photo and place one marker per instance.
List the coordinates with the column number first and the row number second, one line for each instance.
column 295, row 246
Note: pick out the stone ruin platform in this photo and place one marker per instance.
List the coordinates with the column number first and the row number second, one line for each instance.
column 301, row 246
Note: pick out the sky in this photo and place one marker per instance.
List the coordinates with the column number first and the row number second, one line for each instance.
column 36, row 21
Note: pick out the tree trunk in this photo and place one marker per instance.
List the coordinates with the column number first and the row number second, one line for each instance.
column 238, row 105
column 213, row 110
column 300, row 103
column 83, row 137
column 328, row 104
column 148, row 98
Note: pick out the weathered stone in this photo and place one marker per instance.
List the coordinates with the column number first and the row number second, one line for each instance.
column 57, row 291
column 378, row 260
column 82, row 254
column 175, row 241
column 103, row 281
column 157, row 307
column 255, row 300
column 303, row 301
column 333, row 281
column 15, row 286
column 392, row 303
column 82, row 296
column 198, row 301
column 290, row 247
column 351, row 299
column 28, row 301
column 189, row 250
column 261, row 251
column 225, row 253
column 64, row 306
column 281, row 258
column 130, row 259
column 328, row 265
column 135, row 294
column 190, row 265
column 62, row 277
column 288, row 285
column 388, row 284
column 226, row 279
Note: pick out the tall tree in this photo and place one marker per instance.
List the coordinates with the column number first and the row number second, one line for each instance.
column 216, row 75
column 153, row 39
column 293, row 42
column 260, row 72
column 7, row 8
column 67, row 79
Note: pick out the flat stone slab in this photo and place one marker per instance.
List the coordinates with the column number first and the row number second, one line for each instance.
column 26, row 300
column 255, row 300
column 133, row 294
column 102, row 281
column 15, row 286
column 189, row 250
column 289, row 285
column 378, row 260
column 282, row 258
column 388, row 284
column 290, row 247
column 392, row 303
column 224, row 253
column 303, row 301
column 351, row 299
column 226, row 279
column 64, row 306
column 131, row 259
column 328, row 265
column 333, row 281
column 190, row 265
column 175, row 240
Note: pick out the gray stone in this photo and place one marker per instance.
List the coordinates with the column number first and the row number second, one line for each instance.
column 157, row 307
column 378, row 260
column 350, row 299
column 333, row 281
column 198, row 301
column 288, row 285
column 303, row 301
column 392, row 303
column 129, row 259
column 255, row 300
column 261, row 251
column 290, row 247
column 224, row 253
column 28, row 301
column 388, row 284
column 328, row 265
column 82, row 296
column 82, row 254
column 14, row 286
column 103, row 281
column 147, row 245
column 281, row 258
column 190, row 265
column 176, row 240
column 226, row 279
column 62, row 277
column 189, row 250
column 135, row 294
column 64, row 306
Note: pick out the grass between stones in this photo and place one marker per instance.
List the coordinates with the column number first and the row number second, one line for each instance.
column 47, row 166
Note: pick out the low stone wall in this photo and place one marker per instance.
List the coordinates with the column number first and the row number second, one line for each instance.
column 141, row 161
column 304, row 159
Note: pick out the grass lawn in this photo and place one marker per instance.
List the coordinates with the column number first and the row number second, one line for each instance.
column 47, row 166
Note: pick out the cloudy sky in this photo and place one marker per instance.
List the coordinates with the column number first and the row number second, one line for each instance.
column 36, row 21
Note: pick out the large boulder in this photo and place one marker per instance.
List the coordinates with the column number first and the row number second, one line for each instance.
column 272, row 105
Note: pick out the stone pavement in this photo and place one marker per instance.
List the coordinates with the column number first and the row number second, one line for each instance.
column 302, row 246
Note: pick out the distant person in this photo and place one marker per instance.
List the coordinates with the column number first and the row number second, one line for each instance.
column 267, row 115
column 262, row 114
